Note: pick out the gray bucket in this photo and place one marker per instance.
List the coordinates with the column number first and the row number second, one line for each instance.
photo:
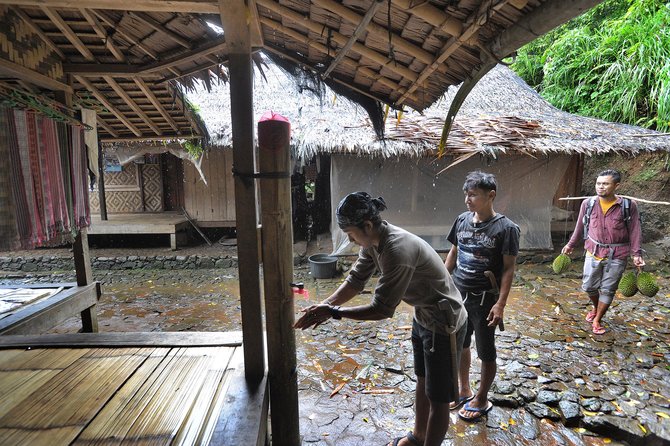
column 322, row 266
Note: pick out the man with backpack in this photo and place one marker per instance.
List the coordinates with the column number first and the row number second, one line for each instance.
column 609, row 226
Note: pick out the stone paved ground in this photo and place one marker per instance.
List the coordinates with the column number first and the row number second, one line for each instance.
column 356, row 380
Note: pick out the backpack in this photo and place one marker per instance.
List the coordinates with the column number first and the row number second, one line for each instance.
column 589, row 207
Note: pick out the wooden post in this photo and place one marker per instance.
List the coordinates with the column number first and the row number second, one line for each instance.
column 274, row 161
column 234, row 20
column 101, row 184
column 82, row 260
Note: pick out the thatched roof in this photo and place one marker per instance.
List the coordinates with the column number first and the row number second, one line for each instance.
column 129, row 59
column 502, row 114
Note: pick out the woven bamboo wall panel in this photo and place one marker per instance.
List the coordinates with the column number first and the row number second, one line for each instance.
column 19, row 44
column 118, row 202
column 153, row 187
column 123, row 193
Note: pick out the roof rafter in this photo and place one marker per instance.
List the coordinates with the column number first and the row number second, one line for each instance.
column 103, row 99
column 128, row 100
column 158, row 27
column 282, row 53
column 364, row 51
column 476, row 21
column 360, row 29
column 68, row 33
column 100, row 31
column 364, row 71
column 118, row 29
column 380, row 32
column 154, row 100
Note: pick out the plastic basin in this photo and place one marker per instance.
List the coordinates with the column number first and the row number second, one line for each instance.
column 322, row 266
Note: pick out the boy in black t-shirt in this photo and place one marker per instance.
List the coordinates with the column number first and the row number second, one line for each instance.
column 481, row 261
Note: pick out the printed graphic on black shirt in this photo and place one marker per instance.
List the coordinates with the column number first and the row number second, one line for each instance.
column 481, row 247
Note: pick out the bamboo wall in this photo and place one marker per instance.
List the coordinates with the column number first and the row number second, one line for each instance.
column 20, row 45
column 127, row 193
column 211, row 204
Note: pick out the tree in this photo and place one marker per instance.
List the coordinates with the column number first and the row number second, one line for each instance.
column 611, row 63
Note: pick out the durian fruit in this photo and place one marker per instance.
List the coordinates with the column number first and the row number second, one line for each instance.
column 646, row 283
column 561, row 263
column 628, row 284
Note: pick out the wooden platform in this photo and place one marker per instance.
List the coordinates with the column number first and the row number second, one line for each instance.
column 129, row 388
column 170, row 223
column 39, row 315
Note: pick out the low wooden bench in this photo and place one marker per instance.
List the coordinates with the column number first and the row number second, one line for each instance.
column 138, row 388
column 42, row 315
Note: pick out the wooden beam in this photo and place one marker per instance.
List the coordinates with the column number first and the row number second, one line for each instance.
column 153, row 24
column 100, row 31
column 116, row 340
column 348, row 85
column 154, row 100
column 128, row 100
column 189, row 72
column 360, row 29
column 398, row 42
column 352, row 64
column 99, row 70
column 187, row 6
column 539, row 21
column 37, row 30
column 476, row 21
column 208, row 47
column 68, row 33
column 255, row 25
column 107, row 127
column 108, row 105
column 118, row 29
column 338, row 38
column 12, row 69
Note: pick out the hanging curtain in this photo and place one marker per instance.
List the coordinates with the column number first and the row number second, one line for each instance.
column 43, row 193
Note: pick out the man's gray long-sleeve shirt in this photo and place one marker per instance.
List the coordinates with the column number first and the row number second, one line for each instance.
column 413, row 272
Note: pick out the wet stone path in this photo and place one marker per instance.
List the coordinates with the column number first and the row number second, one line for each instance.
column 557, row 383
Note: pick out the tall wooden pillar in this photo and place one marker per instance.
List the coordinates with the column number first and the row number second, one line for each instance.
column 275, row 171
column 234, row 20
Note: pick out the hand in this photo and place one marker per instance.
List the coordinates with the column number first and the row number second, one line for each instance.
column 314, row 316
column 566, row 250
column 495, row 315
column 638, row 261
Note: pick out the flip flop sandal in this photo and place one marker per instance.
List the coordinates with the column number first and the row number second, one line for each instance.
column 590, row 316
column 461, row 400
column 599, row 330
column 410, row 436
column 479, row 413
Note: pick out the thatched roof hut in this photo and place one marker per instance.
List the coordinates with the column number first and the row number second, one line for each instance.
column 534, row 148
column 501, row 115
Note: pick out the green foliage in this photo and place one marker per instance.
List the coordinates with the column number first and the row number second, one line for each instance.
column 193, row 148
column 611, row 63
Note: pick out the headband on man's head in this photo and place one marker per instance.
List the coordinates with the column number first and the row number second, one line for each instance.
column 357, row 207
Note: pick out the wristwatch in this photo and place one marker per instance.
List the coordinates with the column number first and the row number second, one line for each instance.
column 335, row 312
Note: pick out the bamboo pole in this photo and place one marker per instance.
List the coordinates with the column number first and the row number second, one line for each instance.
column 274, row 159
column 641, row 200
